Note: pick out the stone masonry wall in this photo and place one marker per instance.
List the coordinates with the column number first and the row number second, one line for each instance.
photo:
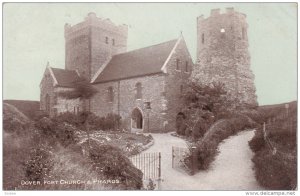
column 175, row 83
column 223, row 56
column 47, row 88
column 67, row 105
column 91, row 43
column 124, row 101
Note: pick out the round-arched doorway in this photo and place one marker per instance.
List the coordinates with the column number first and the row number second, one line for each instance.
column 137, row 120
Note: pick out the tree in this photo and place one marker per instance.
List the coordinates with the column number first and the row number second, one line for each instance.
column 83, row 90
column 204, row 104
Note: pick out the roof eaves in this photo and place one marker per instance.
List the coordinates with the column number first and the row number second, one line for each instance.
column 53, row 76
column 100, row 70
column 164, row 67
column 126, row 78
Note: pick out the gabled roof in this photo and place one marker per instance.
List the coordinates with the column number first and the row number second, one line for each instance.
column 141, row 62
column 64, row 78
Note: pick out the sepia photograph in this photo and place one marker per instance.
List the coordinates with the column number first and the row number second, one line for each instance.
column 149, row 96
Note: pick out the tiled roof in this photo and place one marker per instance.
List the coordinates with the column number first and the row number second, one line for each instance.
column 144, row 61
column 65, row 78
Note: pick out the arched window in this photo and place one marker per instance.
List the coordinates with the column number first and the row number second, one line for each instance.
column 138, row 88
column 110, row 94
column 202, row 38
column 106, row 40
column 47, row 101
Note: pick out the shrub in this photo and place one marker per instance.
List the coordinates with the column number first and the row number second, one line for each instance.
column 40, row 163
column 70, row 164
column 278, row 170
column 257, row 143
column 16, row 151
column 109, row 122
column 207, row 147
column 111, row 162
column 275, row 171
column 54, row 132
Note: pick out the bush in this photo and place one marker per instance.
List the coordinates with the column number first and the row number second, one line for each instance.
column 275, row 171
column 111, row 162
column 109, row 122
column 257, row 143
column 69, row 164
column 207, row 147
column 16, row 151
column 40, row 163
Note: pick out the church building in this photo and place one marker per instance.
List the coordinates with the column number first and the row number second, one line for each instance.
column 143, row 86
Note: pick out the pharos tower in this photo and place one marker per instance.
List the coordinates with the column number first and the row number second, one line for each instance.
column 223, row 56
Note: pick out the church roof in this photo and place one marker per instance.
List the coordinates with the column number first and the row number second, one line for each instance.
column 140, row 62
column 65, row 78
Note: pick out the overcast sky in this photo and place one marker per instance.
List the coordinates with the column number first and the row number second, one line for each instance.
column 33, row 33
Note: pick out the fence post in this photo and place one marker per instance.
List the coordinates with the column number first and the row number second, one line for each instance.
column 159, row 172
column 194, row 160
column 264, row 131
column 173, row 156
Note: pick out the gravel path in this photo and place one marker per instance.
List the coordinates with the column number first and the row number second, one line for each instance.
column 231, row 170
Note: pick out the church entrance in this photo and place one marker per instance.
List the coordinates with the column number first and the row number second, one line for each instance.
column 136, row 120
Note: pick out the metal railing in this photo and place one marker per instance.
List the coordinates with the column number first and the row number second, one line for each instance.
column 149, row 164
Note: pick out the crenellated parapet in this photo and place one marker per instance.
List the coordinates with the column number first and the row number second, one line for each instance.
column 89, row 44
column 93, row 21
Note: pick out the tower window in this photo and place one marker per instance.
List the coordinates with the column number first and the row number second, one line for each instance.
column 186, row 66
column 110, row 94
column 106, row 40
column 177, row 64
column 181, row 89
column 138, row 88
column 113, row 42
column 202, row 38
column 243, row 33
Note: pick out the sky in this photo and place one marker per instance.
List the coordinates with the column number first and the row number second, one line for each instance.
column 33, row 34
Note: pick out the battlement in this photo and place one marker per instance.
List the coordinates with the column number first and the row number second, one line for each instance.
column 218, row 12
column 92, row 20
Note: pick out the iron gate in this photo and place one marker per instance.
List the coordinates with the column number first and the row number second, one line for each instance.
column 149, row 164
column 184, row 159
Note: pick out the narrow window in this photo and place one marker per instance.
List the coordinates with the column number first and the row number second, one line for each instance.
column 113, row 42
column 110, row 94
column 222, row 33
column 138, row 87
column 202, row 38
column 47, row 100
column 186, row 66
column 181, row 89
column 177, row 64
column 243, row 33
column 106, row 40
column 74, row 111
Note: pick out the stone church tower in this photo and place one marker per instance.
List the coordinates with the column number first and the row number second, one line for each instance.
column 223, row 56
column 91, row 44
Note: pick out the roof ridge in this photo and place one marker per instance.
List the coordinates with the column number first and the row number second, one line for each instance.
column 147, row 47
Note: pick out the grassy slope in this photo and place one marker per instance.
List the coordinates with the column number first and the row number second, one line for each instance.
column 25, row 106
